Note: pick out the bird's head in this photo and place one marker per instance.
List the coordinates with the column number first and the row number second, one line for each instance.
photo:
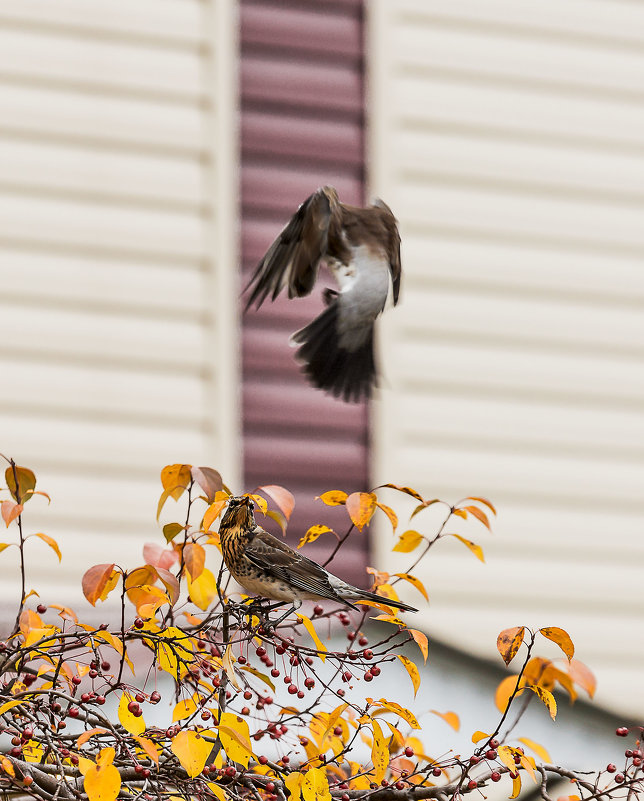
column 240, row 512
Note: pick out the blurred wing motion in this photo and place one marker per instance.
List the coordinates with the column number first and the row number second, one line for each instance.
column 362, row 248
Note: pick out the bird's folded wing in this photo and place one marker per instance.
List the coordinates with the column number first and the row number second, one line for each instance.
column 294, row 257
column 392, row 246
column 277, row 559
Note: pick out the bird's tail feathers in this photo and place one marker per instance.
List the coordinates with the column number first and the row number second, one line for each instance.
column 346, row 374
column 365, row 595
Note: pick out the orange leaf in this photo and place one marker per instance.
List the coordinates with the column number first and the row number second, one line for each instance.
column 415, row 583
column 313, row 533
column 98, row 581
column 86, row 735
column 387, row 592
column 10, row 511
column 478, row 514
column 509, row 641
column 476, row 549
column 539, row 750
column 478, row 736
column 505, row 691
column 406, row 490
column 450, row 718
column 194, row 558
column 393, row 517
column 149, row 747
column 209, row 480
column 333, row 498
column 51, row 542
column 408, row 541
column 484, row 501
column 282, row 497
column 561, row 638
column 175, row 479
column 582, row 676
column 361, row 506
column 421, row 641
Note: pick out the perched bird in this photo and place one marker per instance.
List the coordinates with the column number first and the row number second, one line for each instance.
column 362, row 249
column 267, row 567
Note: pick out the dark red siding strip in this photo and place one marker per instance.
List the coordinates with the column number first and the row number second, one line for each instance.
column 302, row 126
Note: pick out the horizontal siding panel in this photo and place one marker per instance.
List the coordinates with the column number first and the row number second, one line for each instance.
column 91, row 172
column 104, row 284
column 509, row 139
column 528, row 166
column 107, row 120
column 477, row 102
column 96, row 225
column 619, row 20
column 179, row 20
column 534, row 60
column 41, row 57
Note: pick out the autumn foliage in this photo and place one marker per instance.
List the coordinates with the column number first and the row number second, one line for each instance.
column 80, row 710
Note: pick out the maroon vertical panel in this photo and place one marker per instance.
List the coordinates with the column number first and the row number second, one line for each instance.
column 302, row 94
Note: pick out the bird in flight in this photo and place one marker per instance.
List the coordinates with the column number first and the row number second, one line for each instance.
column 361, row 246
column 267, row 567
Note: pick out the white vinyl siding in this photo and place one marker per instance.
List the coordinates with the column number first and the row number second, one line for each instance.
column 508, row 137
column 118, row 208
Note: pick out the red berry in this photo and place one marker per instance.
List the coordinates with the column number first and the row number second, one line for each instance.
column 341, row 692
column 344, row 797
column 317, row 609
column 436, row 772
column 133, row 707
column 337, row 731
column 100, row 700
column 619, row 778
column 490, row 754
column 41, row 609
column 495, row 776
column 262, row 759
column 309, row 683
column 205, row 715
column 367, row 653
column 474, row 760
column 611, row 768
column 138, row 623
column 494, row 743
column 93, row 674
column 622, row 731
column 384, row 783
column 368, row 676
column 409, row 751
column 375, row 670
column 105, row 665
column 245, row 710
column 300, row 694
column 28, row 780
column 637, row 753
column 139, row 697
column 155, row 697
column 472, row 784
column 363, row 641
column 145, row 773
column 76, row 680
column 73, row 711
column 270, row 787
column 637, row 761
column 292, row 689
column 400, row 785
column 261, row 651
column 286, row 759
column 275, row 673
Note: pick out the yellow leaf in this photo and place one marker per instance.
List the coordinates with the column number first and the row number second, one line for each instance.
column 315, row 786
column 333, row 498
column 32, row 751
column 547, row 697
column 313, row 533
column 476, row 549
column 539, row 750
column 408, row 541
column 395, row 621
column 131, row 723
column 203, row 590
column 173, row 641
column 414, row 582
column 360, row 782
column 227, row 663
column 184, row 709
column 509, row 641
column 116, row 644
column 361, row 506
column 506, row 754
column 175, row 479
column 260, row 502
column 505, row 691
column 86, row 735
column 421, row 641
column 293, row 783
column 235, row 738
column 411, row 668
column 194, row 558
column 404, row 713
column 393, row 518
column 561, row 638
column 214, row 510
column 215, row 789
column 478, row 736
column 516, row 785
column 261, row 676
column 379, row 753
column 9, row 705
column 308, row 625
column 51, row 542
column 192, row 751
column 102, row 781
column 450, row 718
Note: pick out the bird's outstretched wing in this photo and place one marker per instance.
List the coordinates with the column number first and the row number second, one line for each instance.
column 283, row 563
column 294, row 257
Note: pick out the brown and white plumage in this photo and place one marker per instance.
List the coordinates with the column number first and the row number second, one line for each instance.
column 267, row 567
column 362, row 248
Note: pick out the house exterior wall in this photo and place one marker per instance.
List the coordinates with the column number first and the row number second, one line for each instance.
column 509, row 139
column 118, row 187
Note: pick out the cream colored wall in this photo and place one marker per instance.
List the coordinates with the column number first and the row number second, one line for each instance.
column 118, row 209
column 508, row 137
